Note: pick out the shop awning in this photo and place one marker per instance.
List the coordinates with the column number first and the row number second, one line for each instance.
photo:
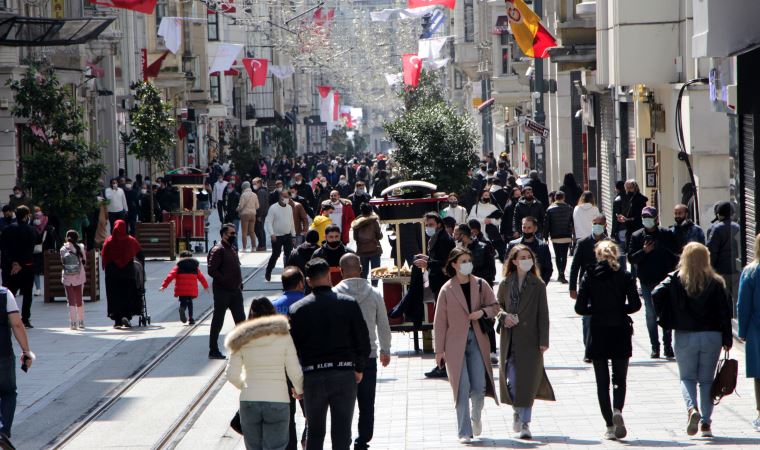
column 17, row 31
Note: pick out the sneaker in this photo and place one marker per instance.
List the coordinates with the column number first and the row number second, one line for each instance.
column 37, row 292
column 610, row 434
column 182, row 316
column 216, row 354
column 563, row 280
column 706, row 430
column 437, row 372
column 465, row 440
column 73, row 326
column 655, row 353
column 516, row 422
column 693, row 423
column 669, row 354
column 756, row 424
column 191, row 321
column 27, row 324
column 494, row 358
column 125, row 323
column 80, row 325
column 617, row 420
column 525, row 432
column 477, row 427
column 587, row 360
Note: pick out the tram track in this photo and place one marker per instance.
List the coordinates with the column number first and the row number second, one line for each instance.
column 189, row 414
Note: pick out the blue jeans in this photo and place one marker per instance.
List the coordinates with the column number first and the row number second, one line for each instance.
column 697, row 354
column 265, row 424
column 7, row 392
column 366, row 261
column 651, row 316
column 524, row 412
column 472, row 386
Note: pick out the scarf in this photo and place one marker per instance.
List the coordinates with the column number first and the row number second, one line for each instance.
column 120, row 248
column 515, row 288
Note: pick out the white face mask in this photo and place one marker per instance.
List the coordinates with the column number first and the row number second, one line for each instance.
column 525, row 265
column 430, row 231
column 37, row 221
column 465, row 268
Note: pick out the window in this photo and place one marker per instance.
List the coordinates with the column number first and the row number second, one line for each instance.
column 213, row 26
column 3, row 4
column 469, row 21
column 216, row 90
column 162, row 10
column 458, row 80
column 505, row 61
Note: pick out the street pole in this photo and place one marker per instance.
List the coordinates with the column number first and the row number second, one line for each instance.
column 538, row 100
column 487, row 124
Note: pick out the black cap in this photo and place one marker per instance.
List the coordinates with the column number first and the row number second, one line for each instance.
column 722, row 209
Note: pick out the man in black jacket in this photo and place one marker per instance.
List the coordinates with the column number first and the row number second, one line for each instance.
column 632, row 205
column 17, row 248
column 224, row 268
column 483, row 257
column 538, row 246
column 559, row 227
column 653, row 250
column 333, row 249
column 539, row 188
column 332, row 341
column 584, row 260
column 527, row 206
column 723, row 242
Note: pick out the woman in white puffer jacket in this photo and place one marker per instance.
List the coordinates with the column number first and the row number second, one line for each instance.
column 261, row 354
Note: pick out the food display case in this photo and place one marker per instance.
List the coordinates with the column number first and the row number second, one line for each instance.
column 188, row 219
column 401, row 205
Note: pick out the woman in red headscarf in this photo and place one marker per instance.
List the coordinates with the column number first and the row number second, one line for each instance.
column 122, row 290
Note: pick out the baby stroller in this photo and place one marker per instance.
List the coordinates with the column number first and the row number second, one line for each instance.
column 144, row 318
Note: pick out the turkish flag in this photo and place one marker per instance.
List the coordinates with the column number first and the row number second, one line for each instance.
column 412, row 69
column 420, row 3
column 143, row 6
column 257, row 70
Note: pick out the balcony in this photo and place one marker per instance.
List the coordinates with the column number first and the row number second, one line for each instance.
column 577, row 22
column 466, row 58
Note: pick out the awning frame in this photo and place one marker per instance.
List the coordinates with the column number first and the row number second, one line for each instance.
column 16, row 23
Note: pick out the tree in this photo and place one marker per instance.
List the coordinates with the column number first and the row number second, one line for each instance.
column 339, row 142
column 153, row 130
column 361, row 142
column 245, row 155
column 62, row 170
column 283, row 141
column 435, row 143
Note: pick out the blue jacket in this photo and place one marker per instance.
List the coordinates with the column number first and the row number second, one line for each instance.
column 749, row 318
column 283, row 302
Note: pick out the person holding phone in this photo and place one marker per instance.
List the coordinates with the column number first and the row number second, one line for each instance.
column 524, row 327
column 461, row 340
column 10, row 321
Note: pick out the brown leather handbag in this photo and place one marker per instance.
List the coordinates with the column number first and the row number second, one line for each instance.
column 725, row 378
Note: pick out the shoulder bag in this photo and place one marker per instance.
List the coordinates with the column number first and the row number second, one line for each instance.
column 485, row 323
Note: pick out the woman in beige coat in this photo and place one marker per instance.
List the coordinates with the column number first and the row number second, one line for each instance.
column 524, row 328
column 261, row 354
column 461, row 343
column 246, row 209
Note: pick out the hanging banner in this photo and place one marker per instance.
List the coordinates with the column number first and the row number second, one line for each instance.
column 421, row 3
column 257, row 70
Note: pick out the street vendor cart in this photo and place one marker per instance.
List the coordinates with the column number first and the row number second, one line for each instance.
column 403, row 207
column 190, row 221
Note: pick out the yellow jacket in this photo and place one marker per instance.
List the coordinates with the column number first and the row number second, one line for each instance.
column 321, row 223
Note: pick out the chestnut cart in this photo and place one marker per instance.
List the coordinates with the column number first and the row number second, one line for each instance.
column 190, row 221
column 403, row 206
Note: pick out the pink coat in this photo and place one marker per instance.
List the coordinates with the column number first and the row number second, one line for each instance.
column 452, row 323
column 76, row 279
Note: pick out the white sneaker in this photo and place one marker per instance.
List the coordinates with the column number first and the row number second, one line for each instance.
column 610, row 434
column 619, row 424
column 516, row 423
column 477, row 427
column 756, row 424
column 465, row 440
column 37, row 292
column 525, row 432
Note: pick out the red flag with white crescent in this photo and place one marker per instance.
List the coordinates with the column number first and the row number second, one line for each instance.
column 257, row 70
column 412, row 65
column 420, row 3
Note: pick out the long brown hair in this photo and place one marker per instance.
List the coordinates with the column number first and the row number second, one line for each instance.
column 695, row 270
column 454, row 254
column 509, row 267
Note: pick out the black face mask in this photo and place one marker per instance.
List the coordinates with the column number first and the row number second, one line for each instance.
column 680, row 220
column 485, row 200
column 528, row 235
column 334, row 244
column 630, row 194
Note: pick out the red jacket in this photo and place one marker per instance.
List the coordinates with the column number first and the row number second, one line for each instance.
column 346, row 219
column 187, row 275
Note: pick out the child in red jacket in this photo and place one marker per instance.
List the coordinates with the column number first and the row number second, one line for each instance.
column 187, row 274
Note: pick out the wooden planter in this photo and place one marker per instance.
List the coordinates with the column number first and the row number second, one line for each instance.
column 158, row 240
column 52, row 268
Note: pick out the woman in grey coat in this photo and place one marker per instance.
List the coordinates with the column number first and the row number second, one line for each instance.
column 524, row 328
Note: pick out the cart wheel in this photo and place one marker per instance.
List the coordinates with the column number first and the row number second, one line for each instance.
column 148, row 319
column 140, row 321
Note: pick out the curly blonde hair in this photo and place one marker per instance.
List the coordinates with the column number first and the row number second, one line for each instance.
column 695, row 270
column 607, row 250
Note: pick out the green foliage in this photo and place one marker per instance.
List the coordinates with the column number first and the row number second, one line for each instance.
column 361, row 142
column 435, row 143
column 153, row 126
column 339, row 143
column 62, row 171
column 284, row 142
column 245, row 155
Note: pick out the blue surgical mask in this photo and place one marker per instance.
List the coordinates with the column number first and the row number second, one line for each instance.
column 430, row 231
column 597, row 229
column 648, row 222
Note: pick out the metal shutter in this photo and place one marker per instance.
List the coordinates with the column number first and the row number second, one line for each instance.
column 749, row 228
column 607, row 154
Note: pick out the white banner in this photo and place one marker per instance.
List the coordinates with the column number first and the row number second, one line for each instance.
column 435, row 64
column 402, row 13
column 430, row 48
column 221, row 58
column 282, row 72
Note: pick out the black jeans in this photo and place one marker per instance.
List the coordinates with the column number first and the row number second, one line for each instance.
column 292, row 434
column 619, row 375
column 283, row 242
column 22, row 281
column 560, row 254
column 114, row 216
column 187, row 303
column 365, row 396
column 336, row 389
column 223, row 300
column 7, row 392
column 261, row 235
column 220, row 210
